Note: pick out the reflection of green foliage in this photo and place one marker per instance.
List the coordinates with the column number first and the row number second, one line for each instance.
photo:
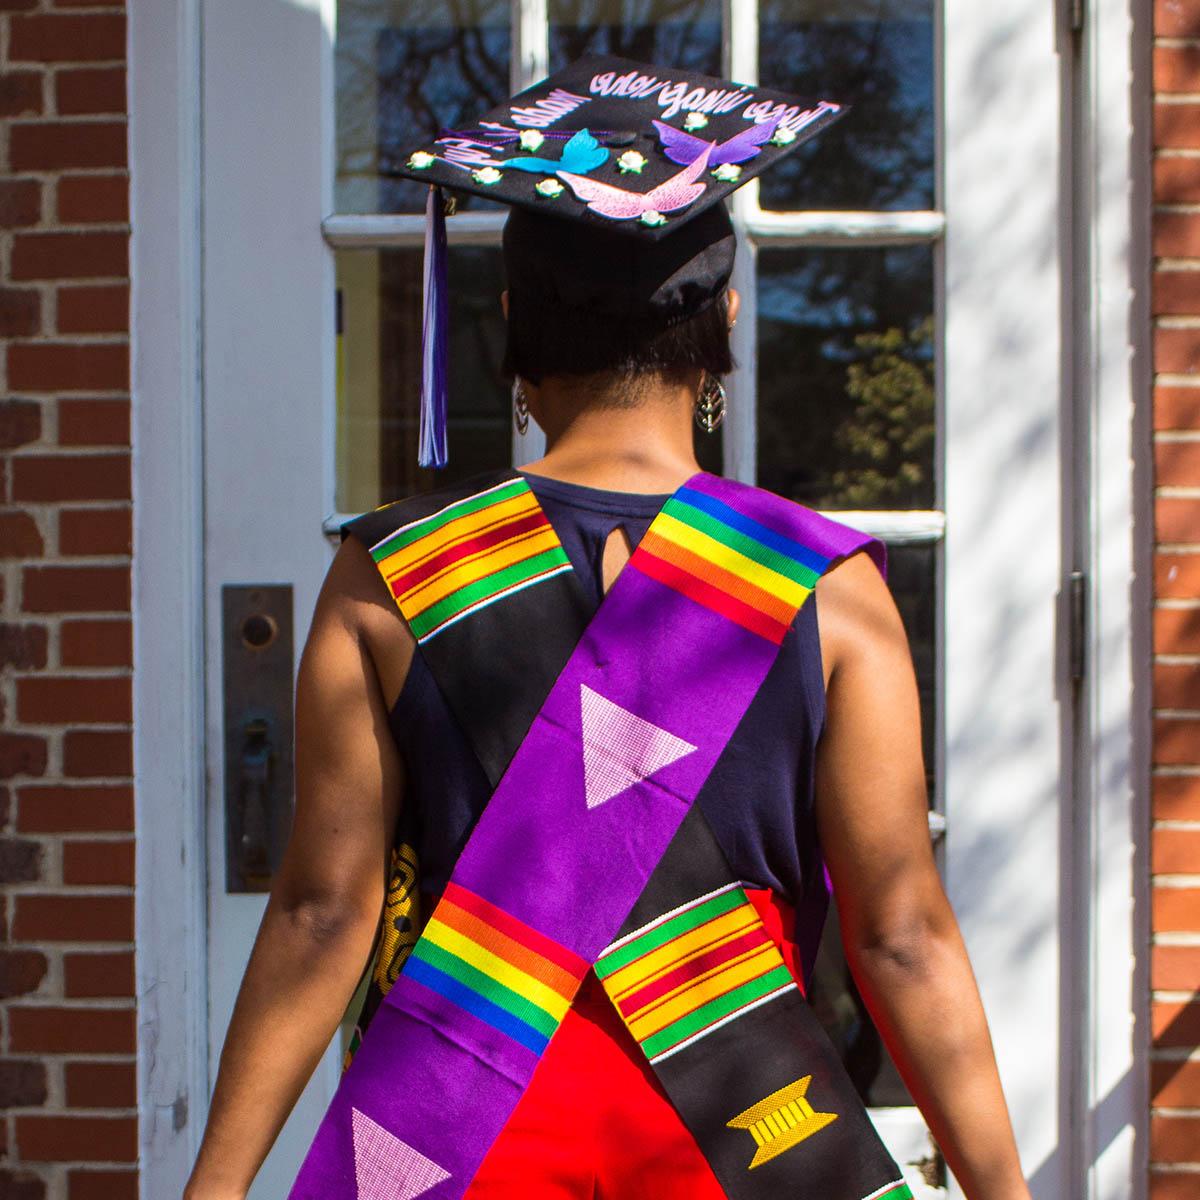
column 885, row 442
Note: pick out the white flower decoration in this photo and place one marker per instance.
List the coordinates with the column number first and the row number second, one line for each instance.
column 487, row 176
column 532, row 139
column 728, row 173
column 420, row 159
column 695, row 120
column 782, row 136
column 653, row 218
column 551, row 189
column 631, row 162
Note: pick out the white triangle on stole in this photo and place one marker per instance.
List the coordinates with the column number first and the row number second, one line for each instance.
column 385, row 1168
column 620, row 748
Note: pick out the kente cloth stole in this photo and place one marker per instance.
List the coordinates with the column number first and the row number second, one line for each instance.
column 598, row 735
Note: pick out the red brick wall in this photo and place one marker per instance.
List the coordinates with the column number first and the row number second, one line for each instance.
column 67, row 1070
column 1175, row 839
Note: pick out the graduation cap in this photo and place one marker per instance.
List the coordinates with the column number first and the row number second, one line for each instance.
column 614, row 170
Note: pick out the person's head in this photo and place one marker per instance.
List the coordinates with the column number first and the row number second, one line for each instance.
column 585, row 301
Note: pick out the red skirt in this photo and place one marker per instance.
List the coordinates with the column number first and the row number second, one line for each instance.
column 595, row 1122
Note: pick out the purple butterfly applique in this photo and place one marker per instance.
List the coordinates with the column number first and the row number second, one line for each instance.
column 684, row 148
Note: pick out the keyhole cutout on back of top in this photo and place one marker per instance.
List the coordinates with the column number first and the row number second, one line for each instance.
column 617, row 552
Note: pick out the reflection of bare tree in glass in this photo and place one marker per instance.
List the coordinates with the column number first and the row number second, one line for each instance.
column 878, row 56
column 813, row 306
column 683, row 34
column 407, row 70
column 886, row 440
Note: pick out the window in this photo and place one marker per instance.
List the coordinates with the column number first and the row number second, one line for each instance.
column 835, row 401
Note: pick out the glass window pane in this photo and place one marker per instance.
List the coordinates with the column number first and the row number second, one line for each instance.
column 685, row 34
column 877, row 55
column 404, row 71
column 846, row 389
column 379, row 373
column 912, row 577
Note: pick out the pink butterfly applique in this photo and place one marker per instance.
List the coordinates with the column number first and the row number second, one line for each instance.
column 682, row 147
column 610, row 201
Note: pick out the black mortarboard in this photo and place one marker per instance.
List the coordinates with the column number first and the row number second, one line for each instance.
column 632, row 159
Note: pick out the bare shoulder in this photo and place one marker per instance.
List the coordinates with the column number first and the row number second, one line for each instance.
column 355, row 600
column 857, row 615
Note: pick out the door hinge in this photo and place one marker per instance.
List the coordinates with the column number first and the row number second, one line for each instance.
column 1076, row 13
column 1077, row 624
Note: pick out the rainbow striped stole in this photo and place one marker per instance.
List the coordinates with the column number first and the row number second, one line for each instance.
column 496, row 967
column 693, row 970
column 468, row 555
column 729, row 562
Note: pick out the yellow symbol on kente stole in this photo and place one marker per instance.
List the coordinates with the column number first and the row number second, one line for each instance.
column 780, row 1121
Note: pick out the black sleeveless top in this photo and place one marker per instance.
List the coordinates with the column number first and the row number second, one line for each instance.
column 758, row 799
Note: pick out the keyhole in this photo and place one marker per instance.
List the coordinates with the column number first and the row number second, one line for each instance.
column 617, row 551
column 259, row 631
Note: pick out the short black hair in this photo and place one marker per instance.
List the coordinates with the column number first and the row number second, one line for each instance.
column 546, row 339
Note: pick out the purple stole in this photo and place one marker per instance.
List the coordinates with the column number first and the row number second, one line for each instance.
column 591, row 854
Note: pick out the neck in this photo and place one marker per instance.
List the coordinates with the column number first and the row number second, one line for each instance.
column 634, row 437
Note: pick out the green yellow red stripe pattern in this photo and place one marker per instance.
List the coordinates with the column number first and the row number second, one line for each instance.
column 729, row 562
column 496, row 967
column 468, row 555
column 692, row 971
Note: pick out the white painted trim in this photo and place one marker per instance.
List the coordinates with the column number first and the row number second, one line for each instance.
column 168, row 682
column 815, row 228
column 809, row 228
column 408, row 229
column 909, row 528
column 1117, row 1104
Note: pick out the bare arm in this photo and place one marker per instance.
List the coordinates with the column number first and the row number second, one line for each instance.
column 901, row 938
column 321, row 918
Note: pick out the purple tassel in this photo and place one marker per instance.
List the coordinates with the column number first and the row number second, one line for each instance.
column 432, row 446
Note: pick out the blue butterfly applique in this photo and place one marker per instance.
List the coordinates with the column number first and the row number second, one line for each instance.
column 580, row 154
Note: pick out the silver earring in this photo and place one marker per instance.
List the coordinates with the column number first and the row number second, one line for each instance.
column 520, row 406
column 710, row 403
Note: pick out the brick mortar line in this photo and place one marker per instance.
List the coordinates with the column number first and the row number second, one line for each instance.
column 88, row 1004
column 1177, row 660
column 48, row 66
column 59, row 1000
column 77, row 339
column 1177, row 547
column 1176, row 937
column 1177, row 714
column 76, row 891
column 1175, row 604
column 1173, row 321
column 1176, row 1054
column 101, row 1057
column 1175, row 491
column 1176, row 152
column 1181, row 437
column 1166, row 881
column 1173, row 996
column 1169, row 379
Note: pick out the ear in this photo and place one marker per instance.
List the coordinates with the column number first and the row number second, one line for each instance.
column 733, row 304
column 504, row 302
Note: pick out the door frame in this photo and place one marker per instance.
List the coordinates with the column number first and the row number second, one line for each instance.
column 168, row 592
column 169, row 679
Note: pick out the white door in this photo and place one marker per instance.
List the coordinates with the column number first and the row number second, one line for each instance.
column 267, row 370
column 899, row 358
